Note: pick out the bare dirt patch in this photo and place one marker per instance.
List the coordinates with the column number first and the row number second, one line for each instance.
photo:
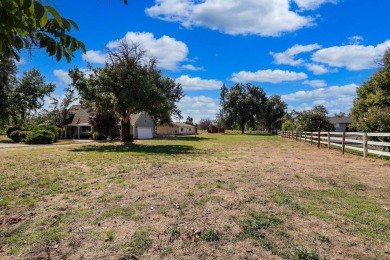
column 204, row 197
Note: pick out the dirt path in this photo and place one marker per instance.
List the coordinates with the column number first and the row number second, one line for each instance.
column 17, row 146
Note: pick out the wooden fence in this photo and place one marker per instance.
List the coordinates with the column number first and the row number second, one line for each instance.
column 356, row 141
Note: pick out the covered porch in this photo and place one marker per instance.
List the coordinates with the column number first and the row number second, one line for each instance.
column 78, row 131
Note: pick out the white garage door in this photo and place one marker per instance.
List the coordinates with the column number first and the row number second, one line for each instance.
column 145, row 132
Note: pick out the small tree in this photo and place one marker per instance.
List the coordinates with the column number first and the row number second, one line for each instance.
column 106, row 123
column 313, row 120
column 190, row 120
column 288, row 126
column 204, row 123
column 21, row 98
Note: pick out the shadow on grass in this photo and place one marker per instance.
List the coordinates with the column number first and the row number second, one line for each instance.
column 138, row 148
column 255, row 133
column 183, row 138
column 5, row 141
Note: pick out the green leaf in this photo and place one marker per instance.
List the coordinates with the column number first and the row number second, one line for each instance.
column 44, row 19
column 18, row 43
column 39, row 11
column 67, row 56
column 59, row 53
column 55, row 14
column 26, row 4
column 73, row 24
column 66, row 24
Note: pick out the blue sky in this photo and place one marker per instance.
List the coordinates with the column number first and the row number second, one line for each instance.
column 308, row 51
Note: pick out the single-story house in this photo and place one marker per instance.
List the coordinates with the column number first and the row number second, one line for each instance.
column 143, row 125
column 176, row 129
column 340, row 123
column 78, row 126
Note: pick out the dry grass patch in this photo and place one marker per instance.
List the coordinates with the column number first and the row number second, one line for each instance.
column 208, row 196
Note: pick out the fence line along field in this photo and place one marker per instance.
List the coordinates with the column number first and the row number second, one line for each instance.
column 222, row 196
column 354, row 141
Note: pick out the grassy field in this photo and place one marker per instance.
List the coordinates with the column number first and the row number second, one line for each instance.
column 196, row 197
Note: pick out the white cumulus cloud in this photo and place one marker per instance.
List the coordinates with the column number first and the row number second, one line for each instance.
column 322, row 93
column 258, row 17
column 315, row 83
column 272, row 76
column 355, row 40
column 352, row 57
column 62, row 76
column 334, row 98
column 312, row 4
column 168, row 51
column 288, row 57
column 191, row 67
column 197, row 83
column 95, row 57
column 318, row 69
column 198, row 107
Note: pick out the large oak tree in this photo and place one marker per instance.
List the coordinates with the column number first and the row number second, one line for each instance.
column 129, row 83
column 244, row 105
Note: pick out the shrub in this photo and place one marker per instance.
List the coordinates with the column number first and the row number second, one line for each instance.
column 11, row 129
column 18, row 136
column 54, row 129
column 98, row 136
column 40, row 137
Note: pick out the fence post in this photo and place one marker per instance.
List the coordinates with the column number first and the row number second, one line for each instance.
column 328, row 140
column 319, row 140
column 311, row 138
column 343, row 143
column 365, row 148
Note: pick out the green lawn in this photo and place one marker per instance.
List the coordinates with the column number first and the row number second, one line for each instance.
column 227, row 196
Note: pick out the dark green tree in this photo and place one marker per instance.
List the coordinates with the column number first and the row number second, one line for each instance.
column 371, row 108
column 274, row 111
column 106, row 123
column 220, row 120
column 21, row 98
column 190, row 120
column 8, row 72
column 244, row 105
column 128, row 84
column 313, row 120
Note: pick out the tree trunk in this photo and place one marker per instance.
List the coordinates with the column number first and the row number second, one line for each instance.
column 125, row 132
column 243, row 130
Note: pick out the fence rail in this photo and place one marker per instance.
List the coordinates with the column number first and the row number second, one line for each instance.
column 356, row 141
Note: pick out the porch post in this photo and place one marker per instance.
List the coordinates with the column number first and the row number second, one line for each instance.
column 78, row 132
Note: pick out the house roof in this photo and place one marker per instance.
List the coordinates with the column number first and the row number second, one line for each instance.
column 182, row 125
column 79, row 115
column 340, row 120
column 134, row 118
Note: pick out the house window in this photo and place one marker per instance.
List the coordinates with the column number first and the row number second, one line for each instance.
column 181, row 129
column 85, row 129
